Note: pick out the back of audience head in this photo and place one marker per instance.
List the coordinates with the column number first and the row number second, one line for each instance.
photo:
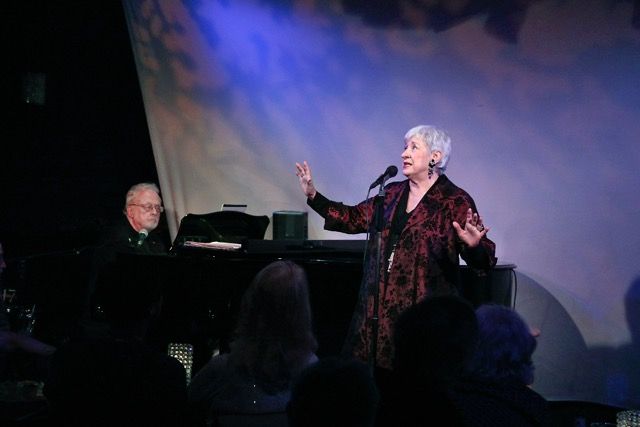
column 434, row 340
column 334, row 392
column 274, row 336
column 505, row 346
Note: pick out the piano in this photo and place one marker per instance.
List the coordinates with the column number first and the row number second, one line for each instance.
column 203, row 289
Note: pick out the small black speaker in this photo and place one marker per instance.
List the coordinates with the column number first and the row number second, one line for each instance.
column 289, row 225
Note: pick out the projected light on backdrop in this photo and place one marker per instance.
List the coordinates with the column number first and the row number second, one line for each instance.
column 542, row 103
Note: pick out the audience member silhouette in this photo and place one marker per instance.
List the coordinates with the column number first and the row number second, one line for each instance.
column 334, row 392
column 497, row 391
column 433, row 342
column 273, row 342
column 115, row 378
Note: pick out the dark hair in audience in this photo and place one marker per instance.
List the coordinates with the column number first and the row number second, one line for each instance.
column 334, row 392
column 434, row 339
column 505, row 346
column 274, row 337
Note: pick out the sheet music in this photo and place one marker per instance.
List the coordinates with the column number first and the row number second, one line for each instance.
column 225, row 246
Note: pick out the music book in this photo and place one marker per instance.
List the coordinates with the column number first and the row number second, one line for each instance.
column 224, row 246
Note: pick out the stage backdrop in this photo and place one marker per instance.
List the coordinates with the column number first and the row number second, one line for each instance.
column 542, row 102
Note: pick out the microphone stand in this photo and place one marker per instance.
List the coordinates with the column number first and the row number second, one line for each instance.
column 378, row 222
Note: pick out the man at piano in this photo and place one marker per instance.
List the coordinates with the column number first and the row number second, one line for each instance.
column 135, row 233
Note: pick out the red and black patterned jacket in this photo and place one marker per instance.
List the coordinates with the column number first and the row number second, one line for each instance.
column 425, row 260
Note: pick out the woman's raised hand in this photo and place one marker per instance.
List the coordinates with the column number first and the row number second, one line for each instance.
column 303, row 172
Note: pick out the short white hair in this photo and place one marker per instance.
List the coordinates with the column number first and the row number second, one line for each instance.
column 135, row 189
column 436, row 139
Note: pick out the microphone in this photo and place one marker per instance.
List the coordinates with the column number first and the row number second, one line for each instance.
column 141, row 236
column 389, row 173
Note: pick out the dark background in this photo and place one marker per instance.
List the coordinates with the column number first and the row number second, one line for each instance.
column 67, row 164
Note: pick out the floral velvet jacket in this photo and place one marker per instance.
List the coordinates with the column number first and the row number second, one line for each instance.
column 425, row 259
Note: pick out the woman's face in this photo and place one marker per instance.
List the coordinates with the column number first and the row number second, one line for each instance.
column 415, row 158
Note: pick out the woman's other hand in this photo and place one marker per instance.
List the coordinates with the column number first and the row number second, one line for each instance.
column 473, row 229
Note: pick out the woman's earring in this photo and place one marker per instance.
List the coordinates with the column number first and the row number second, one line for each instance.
column 432, row 164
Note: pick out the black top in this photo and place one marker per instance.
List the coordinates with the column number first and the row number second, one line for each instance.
column 121, row 238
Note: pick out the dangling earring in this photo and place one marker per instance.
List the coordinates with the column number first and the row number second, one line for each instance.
column 432, row 164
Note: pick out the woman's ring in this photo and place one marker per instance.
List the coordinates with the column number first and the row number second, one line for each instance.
column 480, row 227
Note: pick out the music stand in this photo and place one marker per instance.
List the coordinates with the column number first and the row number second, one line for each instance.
column 221, row 226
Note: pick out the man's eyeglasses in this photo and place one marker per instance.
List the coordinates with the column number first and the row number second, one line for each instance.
column 149, row 207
